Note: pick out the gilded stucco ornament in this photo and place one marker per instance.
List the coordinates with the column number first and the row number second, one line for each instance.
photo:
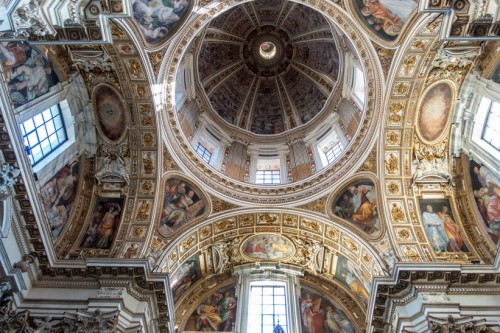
column 392, row 163
column 8, row 177
column 318, row 205
column 431, row 162
column 397, row 213
column 113, row 162
column 91, row 59
column 29, row 22
column 156, row 59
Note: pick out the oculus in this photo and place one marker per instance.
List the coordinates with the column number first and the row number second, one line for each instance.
column 267, row 50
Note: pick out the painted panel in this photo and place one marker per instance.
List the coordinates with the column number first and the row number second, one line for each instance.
column 185, row 276
column 441, row 226
column 217, row 313
column 58, row 196
column 486, row 187
column 385, row 18
column 27, row 72
column 357, row 203
column 350, row 275
column 159, row 19
column 181, row 203
column 110, row 112
column 104, row 223
column 267, row 246
column 319, row 315
column 495, row 77
column 435, row 111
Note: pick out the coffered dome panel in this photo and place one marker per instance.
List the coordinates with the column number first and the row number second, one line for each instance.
column 295, row 66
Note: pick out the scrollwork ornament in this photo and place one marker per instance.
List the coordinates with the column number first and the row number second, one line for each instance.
column 226, row 254
column 455, row 325
column 8, row 177
column 28, row 21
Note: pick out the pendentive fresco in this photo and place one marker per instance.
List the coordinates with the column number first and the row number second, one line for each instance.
column 58, row 196
column 486, row 190
column 159, row 19
column 385, row 18
column 27, row 72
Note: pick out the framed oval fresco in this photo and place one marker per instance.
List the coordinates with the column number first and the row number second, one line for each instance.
column 110, row 113
column 158, row 20
column 434, row 111
column 267, row 246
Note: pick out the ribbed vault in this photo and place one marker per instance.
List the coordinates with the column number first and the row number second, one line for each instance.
column 258, row 92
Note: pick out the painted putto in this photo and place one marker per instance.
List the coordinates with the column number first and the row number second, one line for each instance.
column 357, row 203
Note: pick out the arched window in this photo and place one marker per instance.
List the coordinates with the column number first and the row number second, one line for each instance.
column 268, row 294
column 475, row 123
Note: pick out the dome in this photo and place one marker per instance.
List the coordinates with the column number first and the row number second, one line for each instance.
column 270, row 94
column 264, row 72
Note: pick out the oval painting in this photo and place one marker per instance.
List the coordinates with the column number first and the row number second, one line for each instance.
column 357, row 203
column 268, row 246
column 435, row 111
column 110, row 112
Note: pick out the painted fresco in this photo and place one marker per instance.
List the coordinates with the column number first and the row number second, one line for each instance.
column 181, row 203
column 158, row 19
column 350, row 275
column 185, row 276
column 217, row 313
column 268, row 246
column 110, row 112
column 435, row 111
column 104, row 224
column 385, row 18
column 486, row 187
column 495, row 77
column 357, row 203
column 58, row 197
column 441, row 226
column 27, row 72
column 319, row 315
